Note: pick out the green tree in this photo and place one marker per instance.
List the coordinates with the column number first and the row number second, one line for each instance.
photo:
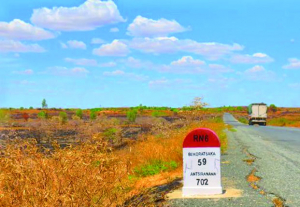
column 131, row 115
column 79, row 113
column 44, row 104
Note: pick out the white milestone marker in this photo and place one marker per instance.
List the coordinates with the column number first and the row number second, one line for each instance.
column 201, row 163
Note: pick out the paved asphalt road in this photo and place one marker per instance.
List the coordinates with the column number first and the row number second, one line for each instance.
column 276, row 155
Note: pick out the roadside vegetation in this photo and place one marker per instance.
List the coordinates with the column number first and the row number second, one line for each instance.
column 277, row 116
column 111, row 154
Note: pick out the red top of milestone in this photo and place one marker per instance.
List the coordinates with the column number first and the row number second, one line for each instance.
column 201, row 137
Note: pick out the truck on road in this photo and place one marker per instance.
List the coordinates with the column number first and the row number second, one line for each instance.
column 258, row 113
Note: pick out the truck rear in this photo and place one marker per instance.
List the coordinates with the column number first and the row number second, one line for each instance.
column 258, row 113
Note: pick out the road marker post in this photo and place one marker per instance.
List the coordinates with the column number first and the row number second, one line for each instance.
column 201, row 163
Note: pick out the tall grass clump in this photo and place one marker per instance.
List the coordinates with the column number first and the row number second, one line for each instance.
column 93, row 115
column 131, row 115
column 63, row 117
column 79, row 113
column 243, row 120
column 4, row 116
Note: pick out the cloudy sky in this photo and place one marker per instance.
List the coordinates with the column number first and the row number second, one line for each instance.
column 94, row 53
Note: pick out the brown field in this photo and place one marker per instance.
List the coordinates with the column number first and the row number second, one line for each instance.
column 101, row 162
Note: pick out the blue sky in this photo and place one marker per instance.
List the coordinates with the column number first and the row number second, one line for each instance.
column 120, row 53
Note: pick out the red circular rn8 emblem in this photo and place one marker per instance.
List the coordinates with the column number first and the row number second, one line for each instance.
column 201, row 137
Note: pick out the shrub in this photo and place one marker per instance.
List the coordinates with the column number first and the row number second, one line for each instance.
column 30, row 107
column 131, row 115
column 96, row 109
column 110, row 134
column 43, row 115
column 187, row 108
column 239, row 108
column 79, row 113
column 243, row 120
column 154, row 167
column 220, row 109
column 63, row 117
column 280, row 122
column 93, row 115
column 174, row 110
column 4, row 116
column 273, row 108
column 216, row 119
column 157, row 113
column 21, row 108
column 25, row 116
column 74, row 117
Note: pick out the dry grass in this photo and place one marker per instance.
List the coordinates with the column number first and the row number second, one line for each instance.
column 90, row 174
column 87, row 175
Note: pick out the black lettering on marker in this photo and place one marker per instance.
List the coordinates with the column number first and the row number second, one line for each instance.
column 195, row 138
column 200, row 138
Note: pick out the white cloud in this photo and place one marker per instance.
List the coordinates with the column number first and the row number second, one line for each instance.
column 63, row 71
column 97, row 41
column 115, row 29
column 116, row 48
column 255, row 69
column 260, row 55
column 121, row 73
column 24, row 72
column 137, row 63
column 211, row 50
column 19, row 30
column 114, row 73
column 186, row 61
column 79, row 70
column 259, row 73
column 251, row 59
column 82, row 61
column 88, row 16
column 144, row 27
column 108, row 64
column 217, row 68
column 74, row 44
column 16, row 46
column 189, row 65
column 294, row 63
